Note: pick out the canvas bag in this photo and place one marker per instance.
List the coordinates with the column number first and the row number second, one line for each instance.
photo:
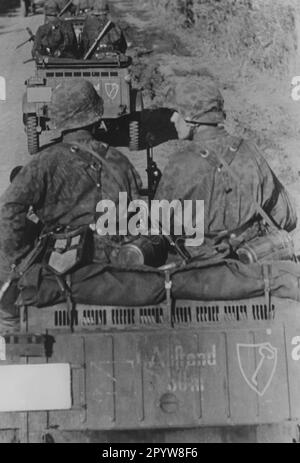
column 204, row 281
column 93, row 284
column 232, row 280
column 69, row 249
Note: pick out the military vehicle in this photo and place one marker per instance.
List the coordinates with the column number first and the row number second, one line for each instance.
column 181, row 371
column 110, row 76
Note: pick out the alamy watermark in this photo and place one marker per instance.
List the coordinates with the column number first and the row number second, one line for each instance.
column 176, row 218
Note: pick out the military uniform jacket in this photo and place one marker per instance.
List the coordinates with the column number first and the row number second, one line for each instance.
column 64, row 185
column 194, row 172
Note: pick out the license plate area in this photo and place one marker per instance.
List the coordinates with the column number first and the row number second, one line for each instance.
column 35, row 387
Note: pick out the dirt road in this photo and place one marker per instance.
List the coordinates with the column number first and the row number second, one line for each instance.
column 13, row 149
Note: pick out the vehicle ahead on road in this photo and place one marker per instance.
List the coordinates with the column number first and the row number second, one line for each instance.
column 181, row 372
column 110, row 77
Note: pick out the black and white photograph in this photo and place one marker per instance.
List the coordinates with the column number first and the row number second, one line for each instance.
column 149, row 224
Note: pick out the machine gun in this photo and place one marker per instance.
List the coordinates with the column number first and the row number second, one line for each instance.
column 65, row 8
column 194, row 122
column 97, row 40
column 153, row 173
column 31, row 38
column 154, row 176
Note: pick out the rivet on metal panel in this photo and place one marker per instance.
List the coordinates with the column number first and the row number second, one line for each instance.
column 202, row 388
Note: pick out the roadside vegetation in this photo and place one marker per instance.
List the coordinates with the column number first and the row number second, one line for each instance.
column 251, row 48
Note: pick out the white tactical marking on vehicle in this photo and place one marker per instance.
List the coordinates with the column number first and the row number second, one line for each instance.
column 112, row 90
column 267, row 363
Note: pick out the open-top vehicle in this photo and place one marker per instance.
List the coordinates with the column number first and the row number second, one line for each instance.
column 186, row 372
column 110, row 77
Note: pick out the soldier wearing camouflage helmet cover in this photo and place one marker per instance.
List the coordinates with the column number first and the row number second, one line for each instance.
column 113, row 40
column 56, row 37
column 53, row 8
column 70, row 10
column 85, row 6
column 64, row 183
column 230, row 207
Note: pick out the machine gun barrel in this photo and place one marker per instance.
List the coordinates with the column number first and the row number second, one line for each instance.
column 210, row 124
column 31, row 38
column 93, row 46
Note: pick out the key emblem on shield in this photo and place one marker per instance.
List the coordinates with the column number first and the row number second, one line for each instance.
column 112, row 90
column 260, row 378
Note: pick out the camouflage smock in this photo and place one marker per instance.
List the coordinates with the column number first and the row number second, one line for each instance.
column 64, row 186
column 192, row 173
column 112, row 41
column 55, row 36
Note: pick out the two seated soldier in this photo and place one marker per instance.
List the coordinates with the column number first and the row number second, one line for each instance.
column 57, row 36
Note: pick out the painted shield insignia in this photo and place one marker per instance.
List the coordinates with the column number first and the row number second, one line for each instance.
column 112, row 90
column 259, row 377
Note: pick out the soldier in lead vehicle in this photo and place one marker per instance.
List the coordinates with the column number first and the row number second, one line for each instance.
column 63, row 8
column 56, row 37
column 96, row 21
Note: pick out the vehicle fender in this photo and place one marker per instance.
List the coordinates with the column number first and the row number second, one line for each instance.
column 27, row 108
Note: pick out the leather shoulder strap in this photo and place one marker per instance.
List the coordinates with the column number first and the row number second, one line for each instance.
column 234, row 176
column 99, row 158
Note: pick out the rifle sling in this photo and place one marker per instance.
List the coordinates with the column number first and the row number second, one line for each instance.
column 99, row 158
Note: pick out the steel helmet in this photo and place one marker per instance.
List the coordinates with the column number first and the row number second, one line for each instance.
column 51, row 8
column 198, row 98
column 75, row 104
column 101, row 6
